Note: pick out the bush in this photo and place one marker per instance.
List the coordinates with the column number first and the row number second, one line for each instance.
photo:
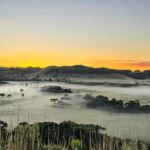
column 76, row 144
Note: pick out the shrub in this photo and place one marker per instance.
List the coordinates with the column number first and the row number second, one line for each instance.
column 76, row 144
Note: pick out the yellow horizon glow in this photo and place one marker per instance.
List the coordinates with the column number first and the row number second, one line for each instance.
column 63, row 58
column 39, row 52
column 44, row 33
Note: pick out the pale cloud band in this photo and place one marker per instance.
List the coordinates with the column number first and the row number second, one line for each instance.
column 124, row 64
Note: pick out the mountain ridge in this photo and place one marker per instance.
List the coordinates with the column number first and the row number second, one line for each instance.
column 18, row 72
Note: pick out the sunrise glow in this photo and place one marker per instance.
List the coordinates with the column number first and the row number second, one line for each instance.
column 113, row 34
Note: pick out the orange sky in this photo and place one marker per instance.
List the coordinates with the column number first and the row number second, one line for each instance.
column 39, row 59
column 97, row 33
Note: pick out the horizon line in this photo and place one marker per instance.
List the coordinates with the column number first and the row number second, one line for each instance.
column 100, row 67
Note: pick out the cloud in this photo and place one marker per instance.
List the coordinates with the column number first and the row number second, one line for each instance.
column 124, row 64
column 143, row 64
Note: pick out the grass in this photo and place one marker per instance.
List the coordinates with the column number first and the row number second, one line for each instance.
column 63, row 136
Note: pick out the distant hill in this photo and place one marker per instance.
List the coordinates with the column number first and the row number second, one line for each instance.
column 84, row 70
column 31, row 72
column 17, row 73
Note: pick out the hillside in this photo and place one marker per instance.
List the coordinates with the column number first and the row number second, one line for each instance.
column 31, row 73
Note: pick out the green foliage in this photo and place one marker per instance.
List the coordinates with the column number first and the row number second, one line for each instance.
column 76, row 144
column 26, row 136
column 66, row 135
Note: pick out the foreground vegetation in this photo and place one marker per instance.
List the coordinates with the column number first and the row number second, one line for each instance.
column 66, row 135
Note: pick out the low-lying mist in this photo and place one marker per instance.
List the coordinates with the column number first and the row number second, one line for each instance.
column 36, row 106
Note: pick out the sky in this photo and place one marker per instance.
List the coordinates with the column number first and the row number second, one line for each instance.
column 97, row 33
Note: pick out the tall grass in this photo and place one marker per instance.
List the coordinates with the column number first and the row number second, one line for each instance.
column 66, row 135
